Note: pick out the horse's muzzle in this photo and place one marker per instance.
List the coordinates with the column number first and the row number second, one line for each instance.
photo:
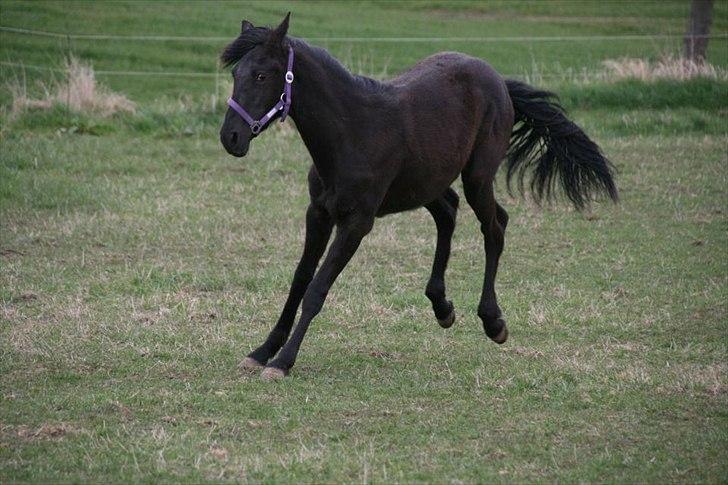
column 235, row 142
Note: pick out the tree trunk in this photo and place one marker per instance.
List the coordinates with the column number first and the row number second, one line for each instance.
column 696, row 38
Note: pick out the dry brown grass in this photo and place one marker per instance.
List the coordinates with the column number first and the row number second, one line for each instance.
column 45, row 431
column 79, row 91
column 668, row 67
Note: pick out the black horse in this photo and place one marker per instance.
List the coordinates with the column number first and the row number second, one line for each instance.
column 385, row 147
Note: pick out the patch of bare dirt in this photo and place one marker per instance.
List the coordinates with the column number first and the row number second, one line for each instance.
column 10, row 252
column 45, row 431
column 380, row 354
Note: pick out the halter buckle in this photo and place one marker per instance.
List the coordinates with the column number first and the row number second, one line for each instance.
column 255, row 128
column 289, row 77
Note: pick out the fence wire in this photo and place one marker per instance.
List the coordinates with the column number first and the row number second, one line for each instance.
column 176, row 38
column 198, row 39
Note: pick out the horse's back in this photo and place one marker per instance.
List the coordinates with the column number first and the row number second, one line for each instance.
column 452, row 98
column 451, row 69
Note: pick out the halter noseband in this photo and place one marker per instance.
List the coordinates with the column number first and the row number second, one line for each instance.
column 283, row 104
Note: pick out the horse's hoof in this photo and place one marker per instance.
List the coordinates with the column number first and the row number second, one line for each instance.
column 498, row 332
column 250, row 363
column 502, row 336
column 448, row 320
column 272, row 374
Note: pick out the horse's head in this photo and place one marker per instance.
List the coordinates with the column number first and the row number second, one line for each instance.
column 260, row 58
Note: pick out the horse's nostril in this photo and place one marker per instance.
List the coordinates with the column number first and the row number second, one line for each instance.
column 234, row 137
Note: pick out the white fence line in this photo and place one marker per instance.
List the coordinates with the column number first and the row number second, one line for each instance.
column 153, row 38
column 192, row 74
column 173, row 38
column 211, row 75
column 115, row 73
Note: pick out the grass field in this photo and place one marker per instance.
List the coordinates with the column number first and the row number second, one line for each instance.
column 139, row 263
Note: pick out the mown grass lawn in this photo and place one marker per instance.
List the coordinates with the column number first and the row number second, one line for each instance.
column 139, row 263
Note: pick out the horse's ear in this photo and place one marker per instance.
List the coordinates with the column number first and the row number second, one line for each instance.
column 277, row 35
column 245, row 25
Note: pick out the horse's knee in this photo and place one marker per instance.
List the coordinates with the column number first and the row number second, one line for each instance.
column 302, row 277
column 313, row 301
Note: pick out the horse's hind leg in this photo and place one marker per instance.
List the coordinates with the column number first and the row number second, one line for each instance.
column 478, row 187
column 444, row 211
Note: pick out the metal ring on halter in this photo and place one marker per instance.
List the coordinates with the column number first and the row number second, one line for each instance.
column 283, row 98
column 289, row 77
column 255, row 128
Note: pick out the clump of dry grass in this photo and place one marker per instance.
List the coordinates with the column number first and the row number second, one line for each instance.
column 79, row 91
column 668, row 67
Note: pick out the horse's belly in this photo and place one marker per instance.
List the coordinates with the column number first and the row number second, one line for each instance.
column 433, row 160
column 399, row 201
column 417, row 186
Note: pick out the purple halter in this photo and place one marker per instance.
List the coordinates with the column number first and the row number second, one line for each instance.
column 283, row 104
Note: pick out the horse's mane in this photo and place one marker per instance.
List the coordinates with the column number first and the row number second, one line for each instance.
column 245, row 42
column 255, row 36
column 334, row 66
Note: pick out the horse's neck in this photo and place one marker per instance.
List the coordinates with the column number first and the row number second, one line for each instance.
column 325, row 99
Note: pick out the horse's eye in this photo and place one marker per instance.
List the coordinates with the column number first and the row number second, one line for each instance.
column 260, row 77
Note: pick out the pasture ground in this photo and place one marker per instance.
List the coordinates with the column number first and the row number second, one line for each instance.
column 139, row 263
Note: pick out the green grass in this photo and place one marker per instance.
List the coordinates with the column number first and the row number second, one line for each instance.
column 139, row 263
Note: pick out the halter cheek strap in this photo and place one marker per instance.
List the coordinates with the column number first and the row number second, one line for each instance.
column 283, row 105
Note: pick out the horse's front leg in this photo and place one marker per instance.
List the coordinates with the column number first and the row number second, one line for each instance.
column 349, row 234
column 318, row 232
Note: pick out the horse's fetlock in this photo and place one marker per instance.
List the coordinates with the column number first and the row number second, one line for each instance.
column 489, row 313
column 435, row 289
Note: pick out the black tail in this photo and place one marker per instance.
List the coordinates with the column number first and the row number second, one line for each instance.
column 554, row 147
